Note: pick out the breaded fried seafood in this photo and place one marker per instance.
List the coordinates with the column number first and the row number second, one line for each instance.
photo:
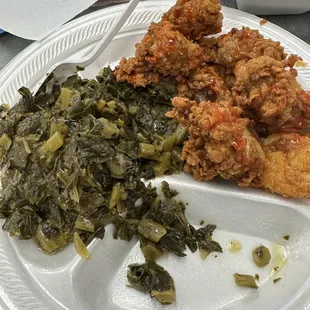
column 247, row 116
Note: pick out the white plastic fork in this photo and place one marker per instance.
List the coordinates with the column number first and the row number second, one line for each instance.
column 70, row 65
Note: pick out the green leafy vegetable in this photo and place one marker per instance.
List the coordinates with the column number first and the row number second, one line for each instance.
column 205, row 243
column 261, row 256
column 50, row 239
column 173, row 242
column 151, row 230
column 80, row 246
column 73, row 157
column 167, row 191
column 150, row 277
column 150, row 250
column 245, row 280
column 23, row 222
column 276, row 280
column 27, row 101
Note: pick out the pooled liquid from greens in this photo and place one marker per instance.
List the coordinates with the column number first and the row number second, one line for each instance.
column 73, row 158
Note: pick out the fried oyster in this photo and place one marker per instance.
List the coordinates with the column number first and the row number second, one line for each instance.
column 248, row 117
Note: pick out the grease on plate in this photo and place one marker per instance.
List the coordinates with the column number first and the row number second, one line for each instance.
column 276, row 280
column 301, row 63
column 279, row 256
column 234, row 246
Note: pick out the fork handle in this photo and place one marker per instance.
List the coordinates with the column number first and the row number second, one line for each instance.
column 105, row 41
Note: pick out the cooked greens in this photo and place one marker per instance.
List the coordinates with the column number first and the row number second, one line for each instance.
column 151, row 230
column 245, row 280
column 276, row 280
column 261, row 256
column 152, row 278
column 162, row 227
column 205, row 243
column 75, row 158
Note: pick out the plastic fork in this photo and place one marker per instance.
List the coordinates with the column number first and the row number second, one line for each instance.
column 70, row 65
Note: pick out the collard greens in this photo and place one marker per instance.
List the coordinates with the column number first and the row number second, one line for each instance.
column 73, row 159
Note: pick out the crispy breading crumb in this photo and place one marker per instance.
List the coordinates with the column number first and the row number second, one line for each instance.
column 301, row 63
column 263, row 22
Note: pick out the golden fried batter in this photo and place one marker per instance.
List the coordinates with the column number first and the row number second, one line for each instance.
column 168, row 51
column 267, row 90
column 220, row 142
column 195, row 18
column 248, row 118
column 300, row 122
column 246, row 44
column 210, row 47
column 135, row 72
column 204, row 84
column 196, row 159
column 287, row 167
column 162, row 50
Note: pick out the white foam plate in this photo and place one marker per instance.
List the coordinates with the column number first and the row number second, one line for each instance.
column 267, row 7
column 30, row 279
